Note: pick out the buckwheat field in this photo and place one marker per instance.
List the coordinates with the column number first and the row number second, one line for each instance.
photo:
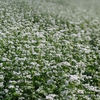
column 49, row 50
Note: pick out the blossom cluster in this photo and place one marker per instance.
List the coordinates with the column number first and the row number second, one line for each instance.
column 49, row 50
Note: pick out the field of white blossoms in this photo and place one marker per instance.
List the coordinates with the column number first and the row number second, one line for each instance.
column 49, row 50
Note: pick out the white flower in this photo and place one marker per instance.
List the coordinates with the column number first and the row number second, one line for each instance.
column 39, row 34
column 1, row 84
column 74, row 77
column 6, row 90
column 33, row 63
column 28, row 76
column 11, row 86
column 10, row 42
column 37, row 74
column 21, row 98
column 1, row 77
column 49, row 81
column 64, row 63
column 5, row 59
column 50, row 96
column 14, row 82
column 80, row 91
column 26, row 34
column 88, row 38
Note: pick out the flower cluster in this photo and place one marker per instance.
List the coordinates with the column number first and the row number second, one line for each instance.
column 49, row 50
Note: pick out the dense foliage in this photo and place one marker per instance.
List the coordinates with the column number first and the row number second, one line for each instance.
column 49, row 50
